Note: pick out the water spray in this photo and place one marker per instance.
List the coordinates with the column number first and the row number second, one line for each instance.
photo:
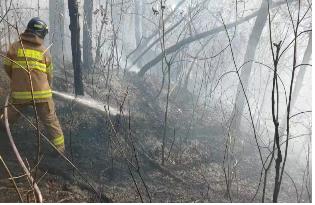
column 87, row 102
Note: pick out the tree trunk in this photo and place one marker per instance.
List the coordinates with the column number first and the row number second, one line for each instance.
column 87, row 35
column 75, row 45
column 299, row 81
column 56, row 30
column 100, row 42
column 199, row 36
column 2, row 11
column 8, row 26
column 246, row 70
column 138, row 25
column 144, row 13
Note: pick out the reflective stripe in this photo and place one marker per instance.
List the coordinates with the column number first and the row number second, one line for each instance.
column 7, row 62
column 32, row 65
column 39, row 26
column 59, row 140
column 50, row 68
column 28, row 95
column 29, row 53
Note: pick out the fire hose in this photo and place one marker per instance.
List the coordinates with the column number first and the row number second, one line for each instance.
column 37, row 191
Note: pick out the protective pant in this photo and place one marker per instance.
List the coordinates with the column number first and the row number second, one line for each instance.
column 47, row 115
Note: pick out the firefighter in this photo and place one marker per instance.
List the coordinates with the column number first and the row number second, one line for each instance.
column 28, row 64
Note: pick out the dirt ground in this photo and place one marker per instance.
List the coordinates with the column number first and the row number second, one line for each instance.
column 120, row 157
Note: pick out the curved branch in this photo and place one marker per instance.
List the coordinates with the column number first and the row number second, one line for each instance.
column 299, row 114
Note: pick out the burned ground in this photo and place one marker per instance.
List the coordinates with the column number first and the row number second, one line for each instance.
column 120, row 155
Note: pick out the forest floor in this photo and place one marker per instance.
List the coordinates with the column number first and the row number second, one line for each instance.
column 121, row 155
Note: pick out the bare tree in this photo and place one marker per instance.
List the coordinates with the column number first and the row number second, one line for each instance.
column 87, row 35
column 56, row 30
column 282, row 154
column 101, row 41
column 75, row 45
column 138, row 23
column 299, row 80
column 246, row 70
column 188, row 40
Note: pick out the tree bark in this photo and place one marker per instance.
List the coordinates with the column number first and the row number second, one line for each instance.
column 75, row 45
column 87, row 35
column 246, row 71
column 138, row 25
column 56, row 30
column 146, row 45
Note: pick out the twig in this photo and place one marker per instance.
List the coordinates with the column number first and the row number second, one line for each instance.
column 11, row 179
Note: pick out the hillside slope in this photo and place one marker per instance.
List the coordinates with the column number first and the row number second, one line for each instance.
column 120, row 155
